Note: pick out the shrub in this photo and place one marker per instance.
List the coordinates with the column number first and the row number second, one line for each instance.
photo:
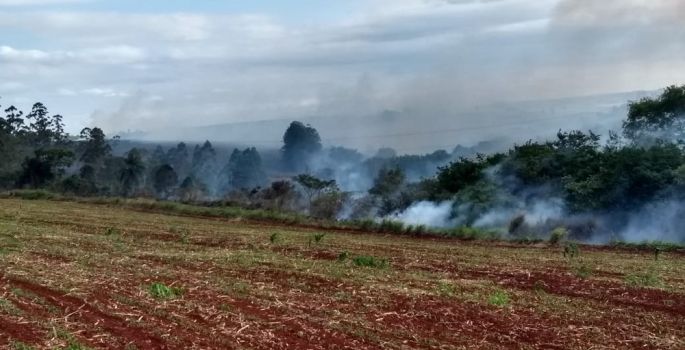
column 369, row 261
column 274, row 238
column 571, row 250
column 557, row 235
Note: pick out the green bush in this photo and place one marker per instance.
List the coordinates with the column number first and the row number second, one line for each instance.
column 557, row 235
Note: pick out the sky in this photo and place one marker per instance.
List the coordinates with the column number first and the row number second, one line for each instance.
column 155, row 65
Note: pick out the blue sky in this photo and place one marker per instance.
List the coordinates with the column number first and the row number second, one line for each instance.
column 144, row 65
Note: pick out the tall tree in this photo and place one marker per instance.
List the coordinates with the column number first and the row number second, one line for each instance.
column 300, row 142
column 244, row 169
column 165, row 179
column 132, row 172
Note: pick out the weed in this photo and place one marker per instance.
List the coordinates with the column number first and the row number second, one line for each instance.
column 343, row 256
column 275, row 238
column 370, row 261
column 649, row 279
column 161, row 291
column 316, row 238
column 446, row 289
column 571, row 250
column 499, row 298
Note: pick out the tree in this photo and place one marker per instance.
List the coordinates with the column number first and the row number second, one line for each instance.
column 204, row 165
column 165, row 179
column 244, row 169
column 300, row 142
column 95, row 146
column 388, row 182
column 43, row 129
column 192, row 190
column 44, row 167
column 13, row 123
column 313, row 186
column 131, row 174
column 179, row 158
column 661, row 118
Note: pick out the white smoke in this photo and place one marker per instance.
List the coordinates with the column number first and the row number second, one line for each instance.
column 658, row 221
column 427, row 214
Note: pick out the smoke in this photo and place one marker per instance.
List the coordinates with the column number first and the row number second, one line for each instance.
column 427, row 214
column 658, row 221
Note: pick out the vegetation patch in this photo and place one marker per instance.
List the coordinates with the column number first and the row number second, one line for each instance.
column 370, row 261
column 162, row 291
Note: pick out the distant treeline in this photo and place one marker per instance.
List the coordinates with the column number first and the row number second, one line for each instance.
column 579, row 174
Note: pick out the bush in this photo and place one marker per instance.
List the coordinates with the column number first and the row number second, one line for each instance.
column 571, row 250
column 558, row 235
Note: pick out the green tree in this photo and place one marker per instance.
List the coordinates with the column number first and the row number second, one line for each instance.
column 662, row 117
column 300, row 142
column 165, row 180
column 44, row 167
column 132, row 172
column 244, row 170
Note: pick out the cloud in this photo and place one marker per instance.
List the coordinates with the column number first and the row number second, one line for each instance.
column 433, row 61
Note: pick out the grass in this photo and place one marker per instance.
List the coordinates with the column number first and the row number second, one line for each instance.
column 370, row 261
column 17, row 345
column 647, row 279
column 499, row 298
column 162, row 291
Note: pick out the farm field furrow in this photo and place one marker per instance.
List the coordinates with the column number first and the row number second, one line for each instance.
column 83, row 276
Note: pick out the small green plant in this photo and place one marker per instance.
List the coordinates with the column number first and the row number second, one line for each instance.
column 275, row 238
column 557, row 235
column 343, row 256
column 316, row 238
column 499, row 298
column 370, row 261
column 571, row 250
column 649, row 279
column 182, row 233
column 446, row 289
column 162, row 291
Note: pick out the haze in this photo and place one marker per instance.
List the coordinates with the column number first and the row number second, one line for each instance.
column 365, row 73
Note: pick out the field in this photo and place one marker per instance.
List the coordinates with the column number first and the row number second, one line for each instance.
column 86, row 276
